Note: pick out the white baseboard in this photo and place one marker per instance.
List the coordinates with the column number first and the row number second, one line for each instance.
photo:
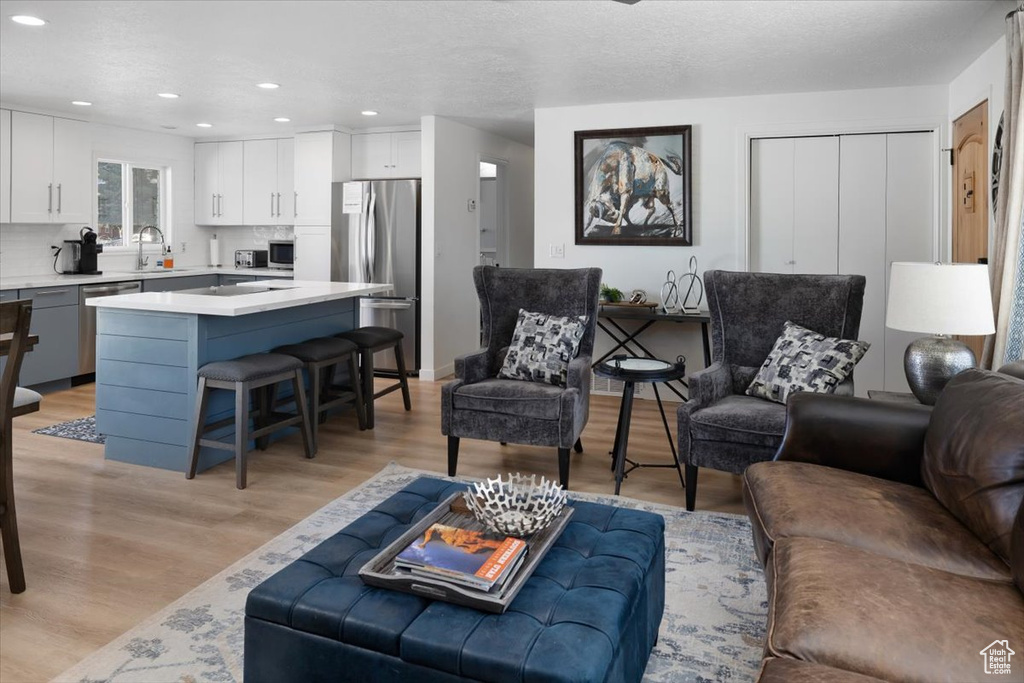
column 435, row 374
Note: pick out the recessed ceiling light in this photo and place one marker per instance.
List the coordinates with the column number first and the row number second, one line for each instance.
column 82, row 103
column 167, row 95
column 27, row 20
column 205, row 125
column 268, row 86
column 282, row 119
column 368, row 112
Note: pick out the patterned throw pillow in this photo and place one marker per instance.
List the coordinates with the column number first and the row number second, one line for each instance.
column 542, row 346
column 802, row 360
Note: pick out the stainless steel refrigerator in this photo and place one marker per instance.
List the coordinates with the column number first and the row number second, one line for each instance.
column 384, row 246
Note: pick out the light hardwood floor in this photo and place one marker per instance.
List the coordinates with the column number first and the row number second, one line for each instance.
column 106, row 544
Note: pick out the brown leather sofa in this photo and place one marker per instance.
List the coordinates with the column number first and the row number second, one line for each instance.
column 892, row 536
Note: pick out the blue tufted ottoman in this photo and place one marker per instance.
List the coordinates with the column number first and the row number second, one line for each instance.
column 590, row 612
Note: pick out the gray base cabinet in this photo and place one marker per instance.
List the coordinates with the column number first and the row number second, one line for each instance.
column 55, row 357
column 175, row 284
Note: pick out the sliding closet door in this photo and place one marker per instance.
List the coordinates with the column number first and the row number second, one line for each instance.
column 862, row 217
column 771, row 205
column 816, row 202
column 794, row 198
column 910, row 227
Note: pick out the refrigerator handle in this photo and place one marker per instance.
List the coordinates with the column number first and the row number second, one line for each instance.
column 370, row 243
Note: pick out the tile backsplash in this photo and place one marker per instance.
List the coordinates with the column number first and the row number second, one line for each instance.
column 25, row 249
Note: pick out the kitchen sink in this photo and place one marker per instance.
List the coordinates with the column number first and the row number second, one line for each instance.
column 229, row 290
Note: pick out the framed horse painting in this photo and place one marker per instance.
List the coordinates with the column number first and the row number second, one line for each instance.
column 634, row 186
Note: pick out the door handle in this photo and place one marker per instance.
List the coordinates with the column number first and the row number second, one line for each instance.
column 52, row 292
column 49, row 201
column 220, row 205
column 60, row 198
column 271, row 204
column 278, row 204
column 295, row 205
column 213, row 204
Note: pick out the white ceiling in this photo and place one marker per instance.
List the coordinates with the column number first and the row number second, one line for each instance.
column 489, row 63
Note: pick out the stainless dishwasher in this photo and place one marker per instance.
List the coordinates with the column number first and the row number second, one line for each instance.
column 87, row 319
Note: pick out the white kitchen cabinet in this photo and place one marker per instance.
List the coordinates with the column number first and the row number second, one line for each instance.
column 321, row 159
column 312, row 253
column 386, row 155
column 5, row 165
column 219, row 172
column 51, row 170
column 268, row 185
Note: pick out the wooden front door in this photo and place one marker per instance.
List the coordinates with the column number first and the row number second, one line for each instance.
column 970, row 194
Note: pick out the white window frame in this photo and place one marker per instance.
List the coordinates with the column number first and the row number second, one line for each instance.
column 127, row 217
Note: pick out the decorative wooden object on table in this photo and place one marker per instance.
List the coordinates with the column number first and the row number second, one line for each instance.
column 15, row 320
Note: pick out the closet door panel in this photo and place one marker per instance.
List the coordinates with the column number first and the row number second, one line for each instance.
column 816, row 205
column 771, row 205
column 862, row 219
column 910, row 233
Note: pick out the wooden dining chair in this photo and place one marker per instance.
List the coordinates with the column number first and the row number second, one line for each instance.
column 15, row 318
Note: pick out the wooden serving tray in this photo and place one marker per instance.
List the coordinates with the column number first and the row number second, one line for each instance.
column 381, row 572
column 626, row 304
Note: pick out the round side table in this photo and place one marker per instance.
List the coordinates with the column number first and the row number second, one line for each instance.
column 629, row 371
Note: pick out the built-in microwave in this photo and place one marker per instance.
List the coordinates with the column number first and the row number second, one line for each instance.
column 282, row 254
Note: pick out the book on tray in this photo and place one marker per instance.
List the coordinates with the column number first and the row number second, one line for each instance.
column 460, row 550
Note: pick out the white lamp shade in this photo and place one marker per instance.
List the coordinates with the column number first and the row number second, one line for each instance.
column 934, row 298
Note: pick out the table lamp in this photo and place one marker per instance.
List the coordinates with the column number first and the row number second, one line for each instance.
column 940, row 299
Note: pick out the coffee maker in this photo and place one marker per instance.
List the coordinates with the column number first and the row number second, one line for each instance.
column 78, row 257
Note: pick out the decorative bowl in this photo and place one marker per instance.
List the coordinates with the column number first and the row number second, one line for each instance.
column 517, row 507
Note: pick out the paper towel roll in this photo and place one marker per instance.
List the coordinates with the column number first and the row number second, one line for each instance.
column 214, row 251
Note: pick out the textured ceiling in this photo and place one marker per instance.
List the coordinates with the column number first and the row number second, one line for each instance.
column 489, row 62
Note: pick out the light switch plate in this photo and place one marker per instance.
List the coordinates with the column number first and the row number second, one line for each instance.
column 556, row 250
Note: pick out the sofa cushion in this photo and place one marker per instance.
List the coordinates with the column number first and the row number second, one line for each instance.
column 776, row 670
column 542, row 346
column 804, row 360
column 974, row 453
column 900, row 521
column 511, row 397
column 839, row 606
column 740, row 419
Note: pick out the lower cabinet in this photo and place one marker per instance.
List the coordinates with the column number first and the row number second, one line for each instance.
column 235, row 279
column 55, row 357
column 175, row 284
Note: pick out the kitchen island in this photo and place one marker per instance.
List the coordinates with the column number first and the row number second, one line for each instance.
column 150, row 345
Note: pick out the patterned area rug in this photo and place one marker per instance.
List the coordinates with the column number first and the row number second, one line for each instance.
column 713, row 627
column 82, row 429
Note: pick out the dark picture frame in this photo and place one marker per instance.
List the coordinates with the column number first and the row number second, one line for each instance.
column 656, row 163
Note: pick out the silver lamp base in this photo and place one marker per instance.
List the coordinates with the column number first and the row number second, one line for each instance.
column 930, row 362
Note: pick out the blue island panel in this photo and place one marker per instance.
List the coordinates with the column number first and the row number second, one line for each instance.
column 146, row 364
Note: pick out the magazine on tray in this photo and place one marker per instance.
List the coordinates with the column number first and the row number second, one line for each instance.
column 460, row 550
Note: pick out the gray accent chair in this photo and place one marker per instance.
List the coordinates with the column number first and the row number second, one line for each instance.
column 720, row 426
column 479, row 405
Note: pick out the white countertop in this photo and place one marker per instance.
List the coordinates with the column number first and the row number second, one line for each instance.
column 285, row 294
column 53, row 279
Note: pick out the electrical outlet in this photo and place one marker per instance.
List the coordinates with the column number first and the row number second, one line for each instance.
column 471, row 205
column 183, row 245
column 556, row 250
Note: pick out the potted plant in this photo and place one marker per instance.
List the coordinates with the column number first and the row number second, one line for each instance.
column 610, row 295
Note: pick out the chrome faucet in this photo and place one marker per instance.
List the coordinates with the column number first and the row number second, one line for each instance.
column 141, row 263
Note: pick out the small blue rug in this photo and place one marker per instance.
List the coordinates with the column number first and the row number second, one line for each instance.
column 82, row 429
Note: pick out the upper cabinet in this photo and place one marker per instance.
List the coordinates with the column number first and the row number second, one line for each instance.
column 219, row 170
column 321, row 159
column 269, row 182
column 386, row 155
column 50, row 170
column 5, row 166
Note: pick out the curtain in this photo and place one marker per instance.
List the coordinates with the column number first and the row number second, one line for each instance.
column 1007, row 263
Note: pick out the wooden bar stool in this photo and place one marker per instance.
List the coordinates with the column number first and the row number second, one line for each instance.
column 370, row 340
column 244, row 375
column 321, row 356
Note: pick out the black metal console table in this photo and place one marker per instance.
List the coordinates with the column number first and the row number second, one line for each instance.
column 608, row 319
column 630, row 371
